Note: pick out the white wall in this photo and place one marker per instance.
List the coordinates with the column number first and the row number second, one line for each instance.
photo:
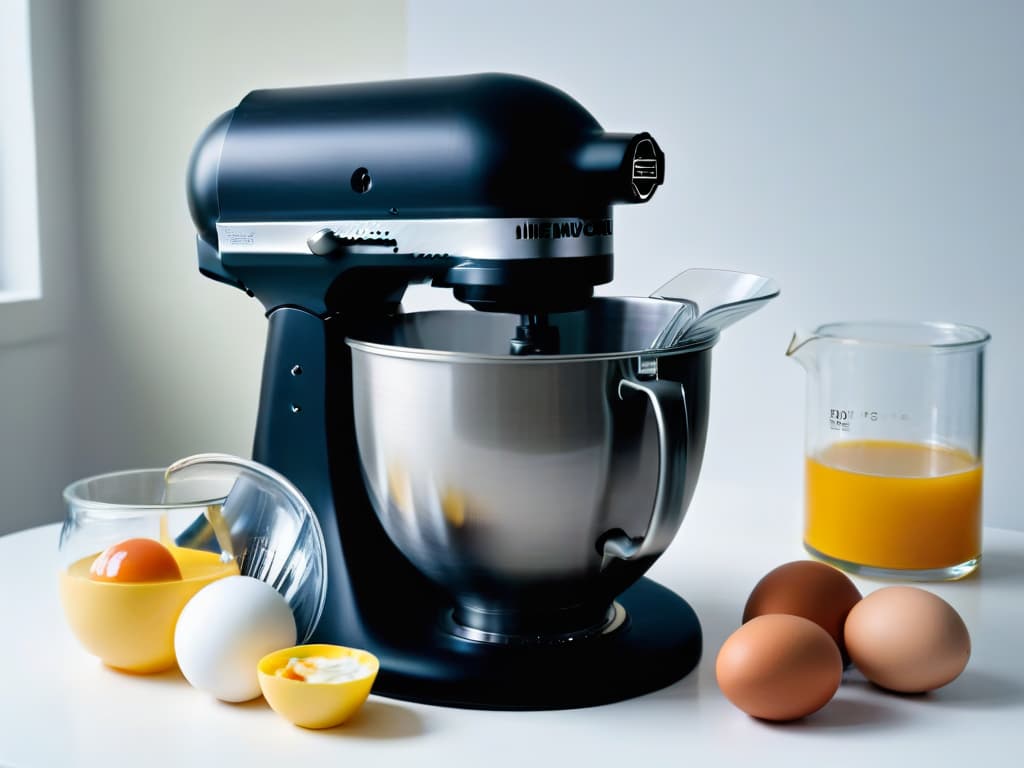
column 170, row 360
column 868, row 155
column 150, row 361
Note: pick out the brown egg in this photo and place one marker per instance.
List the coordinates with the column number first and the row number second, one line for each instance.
column 907, row 639
column 806, row 588
column 779, row 667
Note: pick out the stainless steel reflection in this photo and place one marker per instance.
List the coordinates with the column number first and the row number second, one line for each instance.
column 533, row 489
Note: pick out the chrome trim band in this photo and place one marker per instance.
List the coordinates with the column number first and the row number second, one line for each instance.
column 484, row 239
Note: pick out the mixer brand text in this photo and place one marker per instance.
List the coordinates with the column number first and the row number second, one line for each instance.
column 552, row 230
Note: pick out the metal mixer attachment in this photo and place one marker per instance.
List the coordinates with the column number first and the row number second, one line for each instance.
column 535, row 336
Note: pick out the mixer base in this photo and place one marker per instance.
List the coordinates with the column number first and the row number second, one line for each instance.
column 659, row 643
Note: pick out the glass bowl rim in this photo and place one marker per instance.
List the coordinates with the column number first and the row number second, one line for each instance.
column 73, row 497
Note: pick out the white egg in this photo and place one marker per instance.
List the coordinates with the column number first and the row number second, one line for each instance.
column 225, row 629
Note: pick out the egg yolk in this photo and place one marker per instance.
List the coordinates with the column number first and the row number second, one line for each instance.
column 133, row 561
column 320, row 669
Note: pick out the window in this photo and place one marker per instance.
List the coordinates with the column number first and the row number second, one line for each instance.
column 19, row 222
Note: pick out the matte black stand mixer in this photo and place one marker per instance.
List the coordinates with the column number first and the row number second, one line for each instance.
column 492, row 485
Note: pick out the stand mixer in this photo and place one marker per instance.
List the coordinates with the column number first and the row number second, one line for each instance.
column 325, row 203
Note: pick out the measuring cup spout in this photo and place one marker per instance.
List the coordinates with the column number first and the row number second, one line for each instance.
column 802, row 349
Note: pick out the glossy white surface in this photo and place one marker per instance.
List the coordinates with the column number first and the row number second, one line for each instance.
column 61, row 707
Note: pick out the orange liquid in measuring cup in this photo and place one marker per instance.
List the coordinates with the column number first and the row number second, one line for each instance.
column 894, row 505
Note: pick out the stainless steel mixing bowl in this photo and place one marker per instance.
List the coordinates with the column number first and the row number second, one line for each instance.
column 536, row 488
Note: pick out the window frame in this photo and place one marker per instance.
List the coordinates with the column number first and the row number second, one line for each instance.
column 25, row 311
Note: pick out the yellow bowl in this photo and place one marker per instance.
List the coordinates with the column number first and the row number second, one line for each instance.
column 131, row 626
column 315, row 705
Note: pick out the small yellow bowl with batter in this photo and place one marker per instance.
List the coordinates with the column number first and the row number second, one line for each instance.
column 317, row 686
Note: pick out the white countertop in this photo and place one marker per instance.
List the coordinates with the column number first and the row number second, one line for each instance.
column 61, row 707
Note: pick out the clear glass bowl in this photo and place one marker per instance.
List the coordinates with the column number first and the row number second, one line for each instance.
column 219, row 515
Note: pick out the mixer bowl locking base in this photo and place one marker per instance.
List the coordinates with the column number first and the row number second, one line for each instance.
column 614, row 620
column 658, row 643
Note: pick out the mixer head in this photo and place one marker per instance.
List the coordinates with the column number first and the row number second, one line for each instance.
column 335, row 198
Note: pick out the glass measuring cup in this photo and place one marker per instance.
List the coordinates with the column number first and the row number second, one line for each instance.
column 894, row 447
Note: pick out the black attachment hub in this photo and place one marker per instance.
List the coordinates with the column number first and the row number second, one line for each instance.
column 535, row 336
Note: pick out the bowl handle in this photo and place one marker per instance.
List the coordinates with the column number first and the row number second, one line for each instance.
column 668, row 401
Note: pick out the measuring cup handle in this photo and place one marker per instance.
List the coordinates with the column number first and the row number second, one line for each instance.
column 668, row 402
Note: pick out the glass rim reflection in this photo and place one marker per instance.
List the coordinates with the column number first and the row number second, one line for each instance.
column 925, row 334
column 74, row 495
